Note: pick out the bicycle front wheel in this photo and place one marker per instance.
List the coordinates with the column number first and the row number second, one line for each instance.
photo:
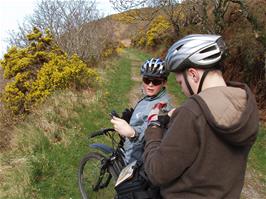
column 91, row 177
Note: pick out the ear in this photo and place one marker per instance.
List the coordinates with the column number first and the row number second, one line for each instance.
column 193, row 74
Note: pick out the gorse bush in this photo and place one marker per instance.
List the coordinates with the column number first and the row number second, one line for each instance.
column 157, row 30
column 139, row 40
column 110, row 49
column 156, row 34
column 39, row 69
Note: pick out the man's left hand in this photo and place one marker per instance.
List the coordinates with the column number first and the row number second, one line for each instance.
column 153, row 115
column 158, row 116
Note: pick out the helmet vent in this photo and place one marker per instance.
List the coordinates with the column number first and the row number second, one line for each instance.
column 177, row 49
column 208, row 49
column 213, row 56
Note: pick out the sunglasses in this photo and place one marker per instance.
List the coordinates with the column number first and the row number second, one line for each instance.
column 155, row 82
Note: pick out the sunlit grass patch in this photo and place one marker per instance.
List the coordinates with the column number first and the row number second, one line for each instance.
column 54, row 138
column 257, row 157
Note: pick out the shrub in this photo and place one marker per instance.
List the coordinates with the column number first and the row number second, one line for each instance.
column 111, row 48
column 39, row 69
column 157, row 32
column 139, row 40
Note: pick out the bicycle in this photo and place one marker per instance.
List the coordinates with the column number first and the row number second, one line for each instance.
column 96, row 169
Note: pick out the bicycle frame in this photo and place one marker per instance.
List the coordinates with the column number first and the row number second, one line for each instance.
column 113, row 163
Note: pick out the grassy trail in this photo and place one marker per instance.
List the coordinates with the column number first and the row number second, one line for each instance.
column 47, row 148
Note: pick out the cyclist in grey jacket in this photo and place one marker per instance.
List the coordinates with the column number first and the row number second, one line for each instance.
column 154, row 81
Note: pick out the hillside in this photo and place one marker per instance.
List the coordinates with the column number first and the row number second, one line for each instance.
column 47, row 147
column 40, row 152
column 244, row 31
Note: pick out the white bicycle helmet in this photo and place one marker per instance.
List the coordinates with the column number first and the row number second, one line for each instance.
column 154, row 68
column 197, row 50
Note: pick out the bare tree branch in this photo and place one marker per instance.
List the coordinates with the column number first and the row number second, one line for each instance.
column 220, row 9
column 123, row 5
column 167, row 6
column 73, row 25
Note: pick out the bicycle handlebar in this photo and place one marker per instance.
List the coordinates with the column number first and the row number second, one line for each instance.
column 100, row 132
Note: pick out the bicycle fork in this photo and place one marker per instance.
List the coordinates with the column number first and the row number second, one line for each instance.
column 99, row 184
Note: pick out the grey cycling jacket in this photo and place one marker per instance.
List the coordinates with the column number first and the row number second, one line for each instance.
column 134, row 147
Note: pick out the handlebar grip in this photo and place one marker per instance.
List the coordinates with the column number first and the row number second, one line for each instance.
column 96, row 133
column 100, row 132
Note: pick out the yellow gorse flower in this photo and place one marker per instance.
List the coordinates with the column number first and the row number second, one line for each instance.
column 39, row 69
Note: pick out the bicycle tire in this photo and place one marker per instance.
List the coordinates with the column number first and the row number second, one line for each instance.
column 88, row 174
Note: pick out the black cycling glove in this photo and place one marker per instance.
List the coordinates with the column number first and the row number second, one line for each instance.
column 163, row 119
column 127, row 113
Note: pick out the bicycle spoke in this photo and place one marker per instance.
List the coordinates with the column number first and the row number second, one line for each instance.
column 92, row 178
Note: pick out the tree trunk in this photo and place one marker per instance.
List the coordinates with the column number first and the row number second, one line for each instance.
column 265, row 67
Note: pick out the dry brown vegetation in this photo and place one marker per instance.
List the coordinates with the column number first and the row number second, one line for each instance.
column 241, row 23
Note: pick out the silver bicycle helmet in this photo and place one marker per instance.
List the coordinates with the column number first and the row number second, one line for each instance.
column 154, row 68
column 197, row 50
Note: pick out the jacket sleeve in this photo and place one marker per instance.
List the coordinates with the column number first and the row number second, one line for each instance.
column 139, row 133
column 168, row 154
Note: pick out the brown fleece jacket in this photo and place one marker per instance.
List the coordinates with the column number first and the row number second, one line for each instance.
column 203, row 154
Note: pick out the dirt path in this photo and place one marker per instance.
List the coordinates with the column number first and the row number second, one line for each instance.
column 136, row 92
column 253, row 188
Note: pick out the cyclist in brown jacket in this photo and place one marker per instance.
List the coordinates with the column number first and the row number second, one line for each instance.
column 204, row 151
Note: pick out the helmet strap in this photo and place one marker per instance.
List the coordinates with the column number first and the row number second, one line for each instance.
column 202, row 79
column 187, row 83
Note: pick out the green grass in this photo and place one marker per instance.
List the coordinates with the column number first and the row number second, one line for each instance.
column 91, row 118
column 53, row 141
column 141, row 55
column 175, row 89
column 48, row 146
column 257, row 159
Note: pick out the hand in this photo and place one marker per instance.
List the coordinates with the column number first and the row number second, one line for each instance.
column 170, row 113
column 122, row 127
column 127, row 113
column 158, row 116
column 153, row 115
column 164, row 117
